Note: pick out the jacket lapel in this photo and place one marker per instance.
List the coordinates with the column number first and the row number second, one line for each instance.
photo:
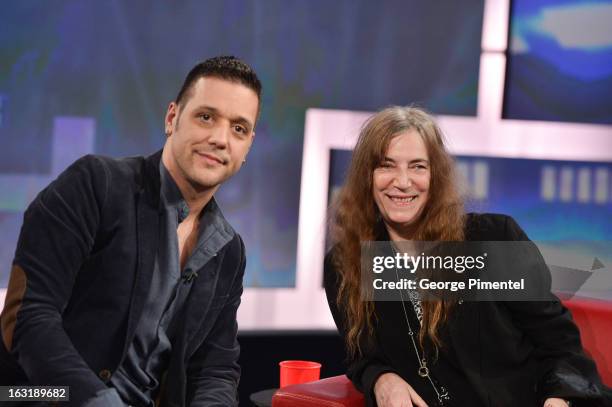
column 147, row 224
column 199, row 301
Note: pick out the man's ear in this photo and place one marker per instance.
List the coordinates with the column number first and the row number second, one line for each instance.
column 252, row 139
column 171, row 116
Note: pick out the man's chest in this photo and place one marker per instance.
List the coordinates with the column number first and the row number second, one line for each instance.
column 187, row 235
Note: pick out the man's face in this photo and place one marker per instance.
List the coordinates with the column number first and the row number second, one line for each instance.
column 210, row 135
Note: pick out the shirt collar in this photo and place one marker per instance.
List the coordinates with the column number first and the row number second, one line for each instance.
column 213, row 219
column 171, row 194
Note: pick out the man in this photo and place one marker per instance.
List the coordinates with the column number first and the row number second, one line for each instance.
column 127, row 278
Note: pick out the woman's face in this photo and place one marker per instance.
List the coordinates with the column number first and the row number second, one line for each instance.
column 401, row 183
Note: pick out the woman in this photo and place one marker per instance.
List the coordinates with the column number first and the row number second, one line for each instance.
column 400, row 187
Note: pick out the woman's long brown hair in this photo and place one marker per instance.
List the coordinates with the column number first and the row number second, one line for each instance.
column 355, row 217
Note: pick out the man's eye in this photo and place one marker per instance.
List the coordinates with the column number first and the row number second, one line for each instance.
column 205, row 117
column 240, row 129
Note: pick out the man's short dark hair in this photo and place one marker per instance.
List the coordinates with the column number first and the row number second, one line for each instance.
column 223, row 67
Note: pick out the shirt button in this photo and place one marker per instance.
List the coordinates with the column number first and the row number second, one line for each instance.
column 105, row 374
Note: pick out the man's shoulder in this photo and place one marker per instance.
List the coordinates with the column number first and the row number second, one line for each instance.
column 110, row 180
column 232, row 259
column 98, row 162
column 117, row 171
column 235, row 246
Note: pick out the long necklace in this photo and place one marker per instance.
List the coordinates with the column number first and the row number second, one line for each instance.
column 423, row 370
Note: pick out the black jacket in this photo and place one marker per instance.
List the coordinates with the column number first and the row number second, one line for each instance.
column 506, row 353
column 79, row 282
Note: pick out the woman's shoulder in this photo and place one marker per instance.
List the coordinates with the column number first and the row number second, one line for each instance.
column 492, row 227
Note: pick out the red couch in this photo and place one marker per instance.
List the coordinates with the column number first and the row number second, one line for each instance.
column 594, row 317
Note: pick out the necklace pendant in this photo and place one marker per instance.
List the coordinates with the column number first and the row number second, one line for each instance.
column 423, row 371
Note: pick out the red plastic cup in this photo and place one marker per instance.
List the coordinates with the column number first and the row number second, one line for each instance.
column 298, row 371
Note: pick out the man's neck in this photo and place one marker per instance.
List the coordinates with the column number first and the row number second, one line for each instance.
column 195, row 198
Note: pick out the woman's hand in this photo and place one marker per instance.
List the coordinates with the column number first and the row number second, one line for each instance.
column 555, row 402
column 393, row 391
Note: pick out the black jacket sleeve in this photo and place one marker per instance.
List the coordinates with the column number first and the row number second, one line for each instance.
column 57, row 236
column 363, row 369
column 564, row 369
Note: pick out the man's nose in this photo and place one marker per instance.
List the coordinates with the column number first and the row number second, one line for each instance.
column 220, row 136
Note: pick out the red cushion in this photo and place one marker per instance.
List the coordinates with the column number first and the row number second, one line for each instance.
column 333, row 392
column 594, row 318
